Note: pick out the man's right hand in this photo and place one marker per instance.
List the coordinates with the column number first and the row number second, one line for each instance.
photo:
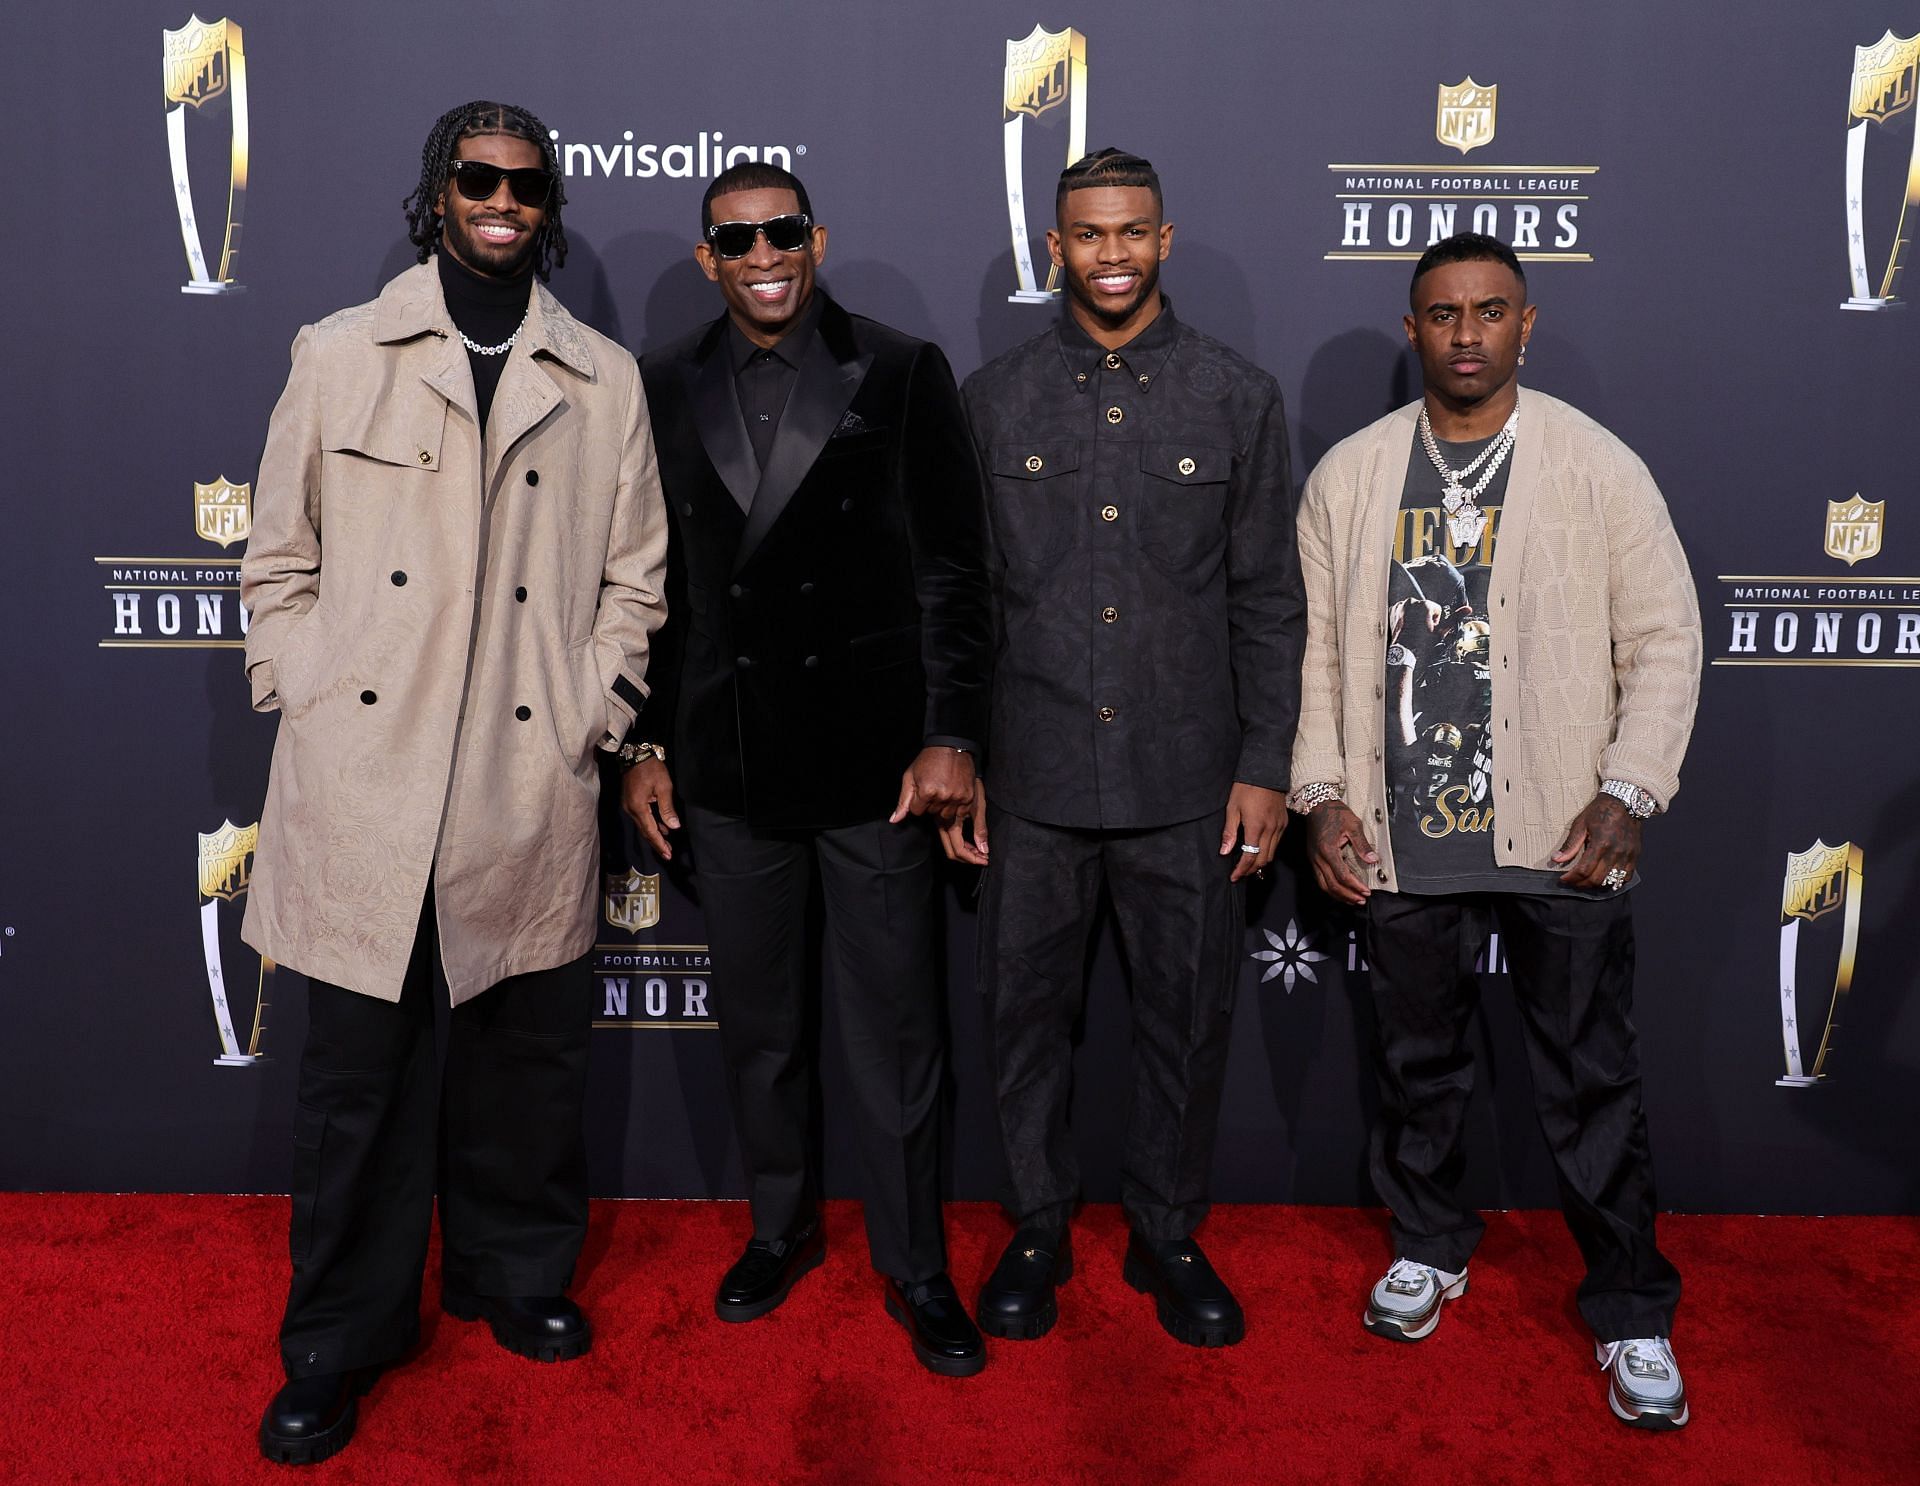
column 1334, row 831
column 646, row 794
column 953, row 833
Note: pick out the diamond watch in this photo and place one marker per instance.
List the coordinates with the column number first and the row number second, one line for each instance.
column 630, row 754
column 1639, row 803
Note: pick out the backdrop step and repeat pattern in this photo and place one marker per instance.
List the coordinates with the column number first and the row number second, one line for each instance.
column 1714, row 205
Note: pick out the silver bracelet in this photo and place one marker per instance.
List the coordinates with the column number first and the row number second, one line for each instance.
column 1639, row 803
column 1307, row 798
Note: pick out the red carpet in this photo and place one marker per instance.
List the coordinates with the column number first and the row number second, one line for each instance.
column 136, row 1344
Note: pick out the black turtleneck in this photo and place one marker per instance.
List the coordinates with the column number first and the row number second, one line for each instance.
column 486, row 311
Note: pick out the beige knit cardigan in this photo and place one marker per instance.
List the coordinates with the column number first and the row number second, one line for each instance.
column 1596, row 628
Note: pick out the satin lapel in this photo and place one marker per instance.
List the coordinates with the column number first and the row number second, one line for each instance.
column 822, row 390
column 723, row 430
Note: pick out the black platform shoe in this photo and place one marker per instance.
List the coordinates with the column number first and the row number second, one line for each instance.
column 546, row 1328
column 1018, row 1301
column 1194, row 1303
column 768, row 1268
column 311, row 1419
column 944, row 1337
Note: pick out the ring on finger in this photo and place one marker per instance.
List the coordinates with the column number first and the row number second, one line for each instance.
column 1250, row 848
column 1615, row 879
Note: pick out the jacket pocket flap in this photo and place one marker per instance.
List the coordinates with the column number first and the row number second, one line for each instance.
column 1040, row 461
column 404, row 431
column 1186, row 464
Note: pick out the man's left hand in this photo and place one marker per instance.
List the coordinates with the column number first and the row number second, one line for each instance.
column 938, row 783
column 1255, row 817
column 1603, row 839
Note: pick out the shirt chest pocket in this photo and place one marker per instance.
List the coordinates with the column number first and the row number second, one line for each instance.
column 1183, row 508
column 1033, row 500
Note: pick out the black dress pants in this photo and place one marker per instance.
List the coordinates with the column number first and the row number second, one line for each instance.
column 1572, row 966
column 1180, row 925
column 501, row 1136
column 878, row 883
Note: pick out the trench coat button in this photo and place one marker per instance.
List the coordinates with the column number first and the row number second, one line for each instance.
column 1186, row 466
column 1109, row 513
column 1109, row 614
column 425, row 457
column 1035, row 464
column 533, row 477
column 1106, row 714
column 369, row 698
column 743, row 662
column 846, row 505
column 736, row 591
column 399, row 579
column 812, row 662
column 523, row 713
column 519, row 595
column 686, row 508
column 1114, row 415
column 806, row 588
column 1113, row 361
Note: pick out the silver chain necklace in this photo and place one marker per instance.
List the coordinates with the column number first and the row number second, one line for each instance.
column 1465, row 520
column 500, row 350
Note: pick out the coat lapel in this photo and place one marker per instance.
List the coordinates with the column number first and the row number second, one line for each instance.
column 716, row 415
column 410, row 307
column 829, row 376
column 527, row 393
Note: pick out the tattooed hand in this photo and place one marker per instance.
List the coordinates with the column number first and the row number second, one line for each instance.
column 1336, row 845
column 1604, row 837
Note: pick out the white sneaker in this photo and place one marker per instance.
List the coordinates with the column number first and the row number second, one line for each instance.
column 1645, row 1390
column 1405, row 1304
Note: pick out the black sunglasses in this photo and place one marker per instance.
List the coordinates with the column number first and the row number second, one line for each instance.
column 531, row 185
column 786, row 234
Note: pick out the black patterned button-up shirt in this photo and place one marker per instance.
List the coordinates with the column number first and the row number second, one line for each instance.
column 1148, row 597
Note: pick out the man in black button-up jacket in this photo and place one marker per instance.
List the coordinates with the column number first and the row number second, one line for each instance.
column 822, row 677
column 1146, row 687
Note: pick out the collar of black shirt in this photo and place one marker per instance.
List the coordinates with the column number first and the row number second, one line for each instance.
column 790, row 348
column 1142, row 357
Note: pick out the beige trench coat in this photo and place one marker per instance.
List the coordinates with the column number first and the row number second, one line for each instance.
column 449, row 630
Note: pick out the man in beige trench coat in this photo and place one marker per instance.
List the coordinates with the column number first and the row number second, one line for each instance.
column 456, row 563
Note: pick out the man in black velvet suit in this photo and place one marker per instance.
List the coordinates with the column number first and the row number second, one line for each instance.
column 822, row 679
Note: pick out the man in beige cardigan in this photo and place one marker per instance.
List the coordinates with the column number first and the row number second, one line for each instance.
column 1502, row 663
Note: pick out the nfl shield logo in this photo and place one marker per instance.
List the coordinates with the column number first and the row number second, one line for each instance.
column 195, row 58
column 1464, row 119
column 223, row 511
column 1038, row 73
column 1884, row 78
column 226, row 860
column 1853, row 528
column 633, row 900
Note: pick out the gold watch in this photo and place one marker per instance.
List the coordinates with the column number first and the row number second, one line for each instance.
column 630, row 754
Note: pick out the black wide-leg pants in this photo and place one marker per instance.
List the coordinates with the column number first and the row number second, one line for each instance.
column 1572, row 969
column 878, row 884
column 1180, row 926
column 500, row 1134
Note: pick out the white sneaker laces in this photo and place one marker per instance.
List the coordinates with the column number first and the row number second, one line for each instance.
column 1642, row 1357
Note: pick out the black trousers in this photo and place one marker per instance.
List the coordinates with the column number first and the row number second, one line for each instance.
column 501, row 1136
column 878, row 884
column 1572, row 965
column 1180, row 926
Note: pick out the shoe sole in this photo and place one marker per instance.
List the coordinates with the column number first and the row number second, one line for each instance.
column 1177, row 1326
column 737, row 1313
column 947, row 1367
column 1396, row 1330
column 1643, row 1417
column 1025, row 1328
column 322, row 1446
column 534, row 1349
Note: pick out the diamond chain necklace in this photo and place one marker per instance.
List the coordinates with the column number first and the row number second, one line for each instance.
column 1465, row 520
column 507, row 345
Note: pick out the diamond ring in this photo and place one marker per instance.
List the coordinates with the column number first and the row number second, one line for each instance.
column 1615, row 878
column 1249, row 848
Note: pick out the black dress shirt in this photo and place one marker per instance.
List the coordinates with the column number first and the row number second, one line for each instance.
column 1148, row 602
column 763, row 376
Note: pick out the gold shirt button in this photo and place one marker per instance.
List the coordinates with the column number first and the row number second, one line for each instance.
column 1113, row 361
column 1106, row 714
column 1035, row 463
column 1109, row 513
column 1109, row 614
column 1114, row 415
column 1186, row 466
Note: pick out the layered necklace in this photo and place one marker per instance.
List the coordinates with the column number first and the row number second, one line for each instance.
column 1465, row 520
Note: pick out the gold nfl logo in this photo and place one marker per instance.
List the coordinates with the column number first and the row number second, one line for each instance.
column 633, row 900
column 226, row 860
column 1465, row 117
column 223, row 511
column 1039, row 74
column 1854, row 528
column 195, row 59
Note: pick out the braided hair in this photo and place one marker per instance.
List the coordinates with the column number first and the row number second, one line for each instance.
column 436, row 167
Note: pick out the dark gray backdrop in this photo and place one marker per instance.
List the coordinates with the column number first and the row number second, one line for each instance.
column 1706, row 331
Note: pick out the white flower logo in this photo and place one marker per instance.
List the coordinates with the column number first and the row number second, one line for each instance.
column 1291, row 958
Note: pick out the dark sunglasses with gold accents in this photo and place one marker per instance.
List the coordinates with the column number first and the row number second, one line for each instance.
column 532, row 185
column 787, row 234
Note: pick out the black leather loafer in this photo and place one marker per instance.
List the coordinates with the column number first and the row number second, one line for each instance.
column 1018, row 1300
column 944, row 1337
column 546, row 1328
column 1194, row 1303
column 311, row 1419
column 768, row 1268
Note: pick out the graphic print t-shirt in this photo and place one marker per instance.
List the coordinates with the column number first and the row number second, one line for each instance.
column 1439, row 745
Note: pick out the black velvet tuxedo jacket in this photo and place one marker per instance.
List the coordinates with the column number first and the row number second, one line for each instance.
column 830, row 615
